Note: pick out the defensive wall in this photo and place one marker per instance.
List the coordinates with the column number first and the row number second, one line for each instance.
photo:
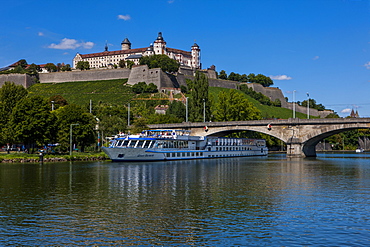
column 85, row 75
column 141, row 73
column 18, row 79
column 275, row 93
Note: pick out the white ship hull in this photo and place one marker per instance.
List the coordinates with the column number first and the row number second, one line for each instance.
column 181, row 147
column 135, row 154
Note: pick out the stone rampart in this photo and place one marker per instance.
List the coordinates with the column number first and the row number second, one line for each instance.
column 85, row 75
column 156, row 76
column 18, row 79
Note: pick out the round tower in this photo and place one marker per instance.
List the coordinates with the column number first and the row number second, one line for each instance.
column 126, row 44
column 195, row 56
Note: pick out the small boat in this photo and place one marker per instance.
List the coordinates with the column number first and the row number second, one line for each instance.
column 360, row 150
column 160, row 145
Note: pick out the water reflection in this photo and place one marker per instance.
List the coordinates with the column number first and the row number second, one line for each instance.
column 236, row 201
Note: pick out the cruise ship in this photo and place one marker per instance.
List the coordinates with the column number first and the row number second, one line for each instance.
column 161, row 145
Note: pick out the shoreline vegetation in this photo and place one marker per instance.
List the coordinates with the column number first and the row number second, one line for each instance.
column 35, row 158
column 101, row 156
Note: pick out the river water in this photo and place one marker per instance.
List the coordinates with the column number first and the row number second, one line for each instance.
column 270, row 201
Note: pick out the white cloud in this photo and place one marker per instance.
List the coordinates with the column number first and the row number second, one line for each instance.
column 315, row 57
column 124, row 17
column 280, row 77
column 71, row 44
column 347, row 110
column 367, row 65
column 40, row 34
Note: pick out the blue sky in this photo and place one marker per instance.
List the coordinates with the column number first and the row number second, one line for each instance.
column 317, row 46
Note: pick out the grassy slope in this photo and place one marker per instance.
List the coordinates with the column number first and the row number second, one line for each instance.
column 266, row 111
column 80, row 93
column 115, row 92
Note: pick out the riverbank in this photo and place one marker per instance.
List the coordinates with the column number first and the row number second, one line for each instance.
column 35, row 158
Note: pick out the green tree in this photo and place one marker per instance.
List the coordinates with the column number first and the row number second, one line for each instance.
column 234, row 77
column 233, row 106
column 199, row 98
column 32, row 122
column 177, row 109
column 129, row 64
column 313, row 105
column 184, row 89
column 139, row 125
column 83, row 133
column 83, row 65
column 10, row 95
column 261, row 79
column 113, row 119
column 163, row 119
column 162, row 61
column 23, row 63
column 122, row 63
column 151, row 88
column 58, row 101
column 33, row 69
column 222, row 75
column 51, row 67
column 66, row 67
column 139, row 87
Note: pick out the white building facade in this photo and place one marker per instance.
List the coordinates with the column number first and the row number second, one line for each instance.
column 108, row 58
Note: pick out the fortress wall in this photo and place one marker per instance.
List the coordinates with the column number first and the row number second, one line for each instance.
column 211, row 82
column 18, row 79
column 85, row 75
column 272, row 92
column 303, row 109
column 143, row 74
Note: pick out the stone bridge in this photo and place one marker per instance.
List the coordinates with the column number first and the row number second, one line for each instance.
column 300, row 135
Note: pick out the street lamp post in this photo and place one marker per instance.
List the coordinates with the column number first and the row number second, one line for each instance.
column 187, row 109
column 128, row 115
column 308, row 106
column 293, row 103
column 52, row 105
column 70, row 139
column 204, row 110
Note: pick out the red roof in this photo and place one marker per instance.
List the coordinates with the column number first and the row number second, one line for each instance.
column 130, row 51
column 111, row 53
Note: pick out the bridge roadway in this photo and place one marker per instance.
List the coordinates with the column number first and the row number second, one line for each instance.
column 300, row 135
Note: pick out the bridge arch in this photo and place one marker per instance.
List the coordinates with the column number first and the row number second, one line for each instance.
column 300, row 135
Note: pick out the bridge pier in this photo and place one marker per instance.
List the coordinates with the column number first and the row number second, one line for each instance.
column 295, row 148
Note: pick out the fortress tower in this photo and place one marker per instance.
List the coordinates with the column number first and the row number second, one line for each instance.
column 126, row 44
column 195, row 56
column 160, row 45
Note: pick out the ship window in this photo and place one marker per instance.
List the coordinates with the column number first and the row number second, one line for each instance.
column 139, row 144
column 168, row 154
column 132, row 144
column 187, row 154
column 119, row 143
column 192, row 154
column 146, row 144
column 173, row 154
column 183, row 154
column 121, row 155
column 178, row 154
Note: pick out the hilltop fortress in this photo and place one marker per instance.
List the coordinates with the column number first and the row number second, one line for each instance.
column 107, row 58
column 102, row 68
